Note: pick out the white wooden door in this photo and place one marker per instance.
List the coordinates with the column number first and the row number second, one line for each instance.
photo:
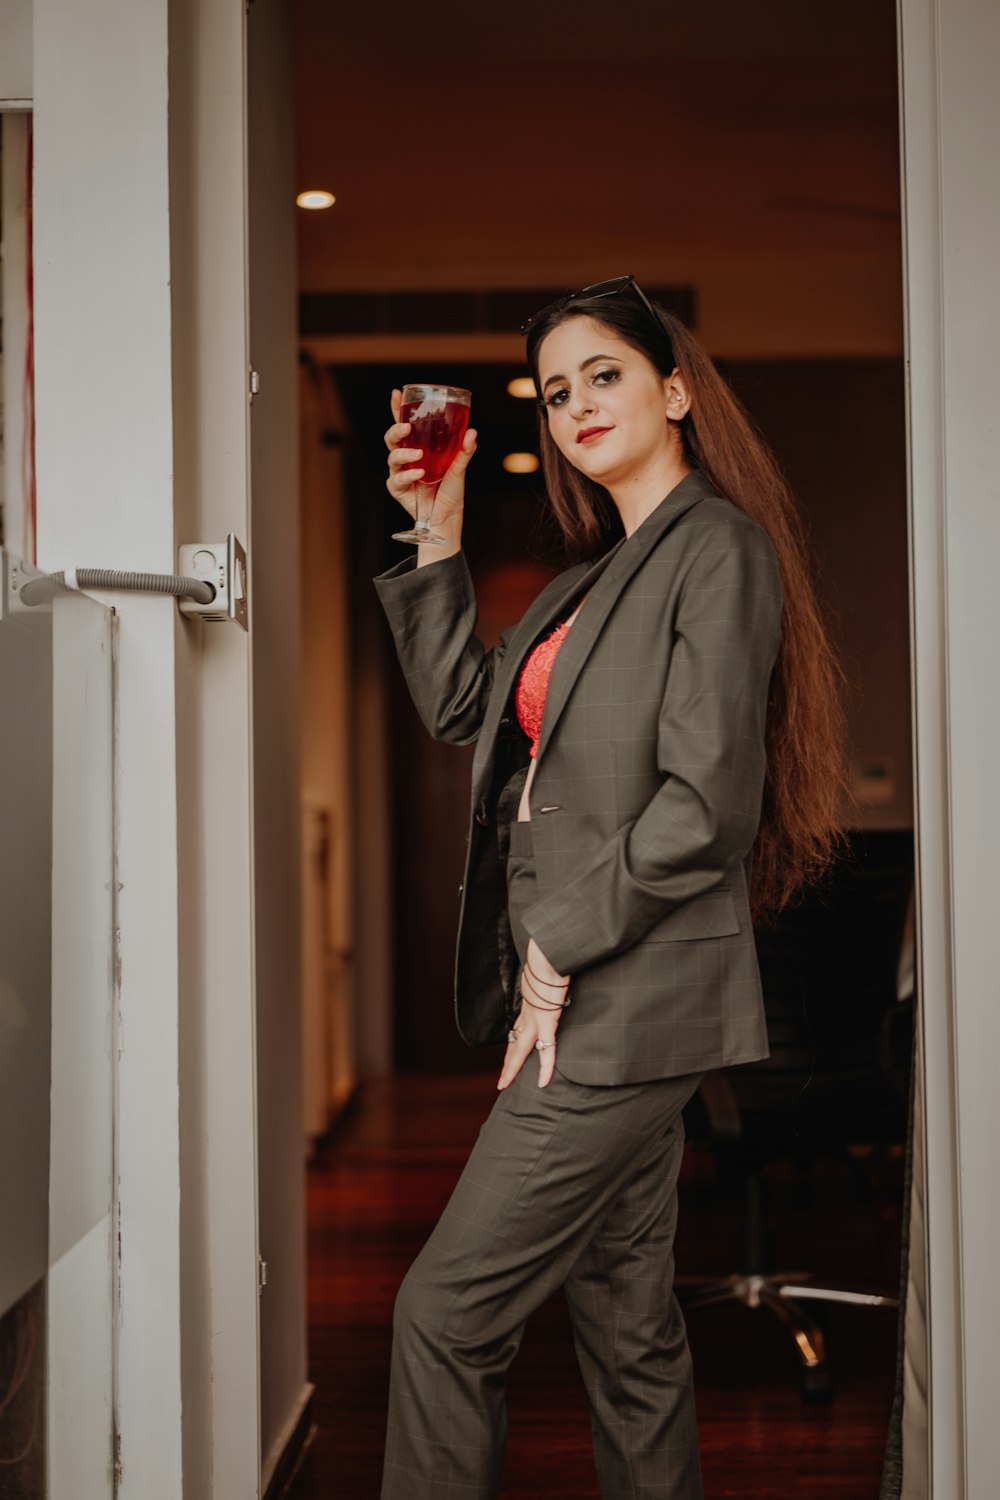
column 58, row 1037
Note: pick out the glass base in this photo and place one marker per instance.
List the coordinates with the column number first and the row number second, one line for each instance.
column 417, row 535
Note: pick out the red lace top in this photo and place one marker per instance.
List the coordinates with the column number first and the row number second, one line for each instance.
column 533, row 683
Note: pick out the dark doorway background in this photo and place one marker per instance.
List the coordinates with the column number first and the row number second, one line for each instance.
column 838, row 426
column 742, row 162
column 747, row 161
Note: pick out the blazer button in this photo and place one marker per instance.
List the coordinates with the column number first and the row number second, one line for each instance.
column 461, row 888
column 505, row 721
column 482, row 816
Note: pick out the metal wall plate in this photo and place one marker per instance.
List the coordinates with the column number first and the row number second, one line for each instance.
column 15, row 573
column 224, row 566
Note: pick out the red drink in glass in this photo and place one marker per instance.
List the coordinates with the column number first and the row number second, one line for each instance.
column 438, row 429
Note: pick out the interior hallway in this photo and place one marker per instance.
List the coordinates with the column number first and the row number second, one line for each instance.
column 375, row 1190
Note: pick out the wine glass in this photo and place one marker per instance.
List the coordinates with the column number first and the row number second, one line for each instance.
column 439, row 415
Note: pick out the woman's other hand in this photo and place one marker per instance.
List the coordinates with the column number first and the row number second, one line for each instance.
column 538, row 1018
column 449, row 503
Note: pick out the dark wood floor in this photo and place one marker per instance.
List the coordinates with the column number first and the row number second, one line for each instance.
column 374, row 1194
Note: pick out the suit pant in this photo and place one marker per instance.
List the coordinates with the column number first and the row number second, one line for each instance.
column 572, row 1185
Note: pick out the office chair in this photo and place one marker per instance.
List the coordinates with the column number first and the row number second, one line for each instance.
column 838, row 1074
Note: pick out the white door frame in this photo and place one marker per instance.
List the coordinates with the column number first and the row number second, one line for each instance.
column 950, row 128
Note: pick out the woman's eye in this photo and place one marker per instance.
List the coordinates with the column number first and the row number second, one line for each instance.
column 611, row 374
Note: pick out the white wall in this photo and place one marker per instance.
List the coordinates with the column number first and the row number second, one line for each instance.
column 951, row 127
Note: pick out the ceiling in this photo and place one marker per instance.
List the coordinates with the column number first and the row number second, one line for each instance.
column 750, row 153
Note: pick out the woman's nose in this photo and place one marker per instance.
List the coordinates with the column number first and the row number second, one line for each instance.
column 581, row 405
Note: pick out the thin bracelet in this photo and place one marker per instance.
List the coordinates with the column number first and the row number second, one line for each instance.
column 535, row 1006
column 554, row 982
column 552, row 1004
column 549, row 1004
column 540, row 1007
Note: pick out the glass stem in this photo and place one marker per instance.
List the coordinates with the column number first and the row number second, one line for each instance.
column 426, row 495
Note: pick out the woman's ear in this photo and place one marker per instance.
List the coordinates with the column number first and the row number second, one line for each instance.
column 676, row 396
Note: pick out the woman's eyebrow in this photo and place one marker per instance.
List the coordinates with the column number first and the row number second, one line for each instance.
column 592, row 360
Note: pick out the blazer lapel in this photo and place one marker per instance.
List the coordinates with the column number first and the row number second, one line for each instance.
column 541, row 614
column 583, row 633
column 606, row 578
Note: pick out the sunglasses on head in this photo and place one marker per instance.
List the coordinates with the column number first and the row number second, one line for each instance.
column 610, row 288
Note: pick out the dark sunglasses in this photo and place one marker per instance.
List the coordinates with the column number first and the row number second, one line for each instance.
column 610, row 288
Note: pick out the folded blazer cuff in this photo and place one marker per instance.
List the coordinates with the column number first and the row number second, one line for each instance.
column 408, row 575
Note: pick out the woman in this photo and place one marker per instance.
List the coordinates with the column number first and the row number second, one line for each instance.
column 686, row 777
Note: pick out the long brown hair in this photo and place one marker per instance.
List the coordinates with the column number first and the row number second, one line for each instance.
column 806, row 787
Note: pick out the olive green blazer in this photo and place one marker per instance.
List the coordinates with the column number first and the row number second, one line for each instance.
column 647, row 794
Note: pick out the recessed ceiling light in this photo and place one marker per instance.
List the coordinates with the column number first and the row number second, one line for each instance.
column 316, row 198
column 520, row 463
column 523, row 386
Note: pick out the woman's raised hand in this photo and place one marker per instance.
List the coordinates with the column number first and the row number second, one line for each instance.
column 449, row 504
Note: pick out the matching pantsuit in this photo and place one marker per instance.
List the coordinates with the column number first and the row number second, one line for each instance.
column 632, row 876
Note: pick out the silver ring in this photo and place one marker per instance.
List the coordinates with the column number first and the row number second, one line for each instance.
column 540, row 1046
column 513, row 1033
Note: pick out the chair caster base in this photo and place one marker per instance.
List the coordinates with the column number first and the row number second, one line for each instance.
column 784, row 1292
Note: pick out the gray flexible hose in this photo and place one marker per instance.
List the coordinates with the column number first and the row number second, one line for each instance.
column 39, row 589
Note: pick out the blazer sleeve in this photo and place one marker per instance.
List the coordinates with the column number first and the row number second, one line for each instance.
column 710, row 752
column 432, row 613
